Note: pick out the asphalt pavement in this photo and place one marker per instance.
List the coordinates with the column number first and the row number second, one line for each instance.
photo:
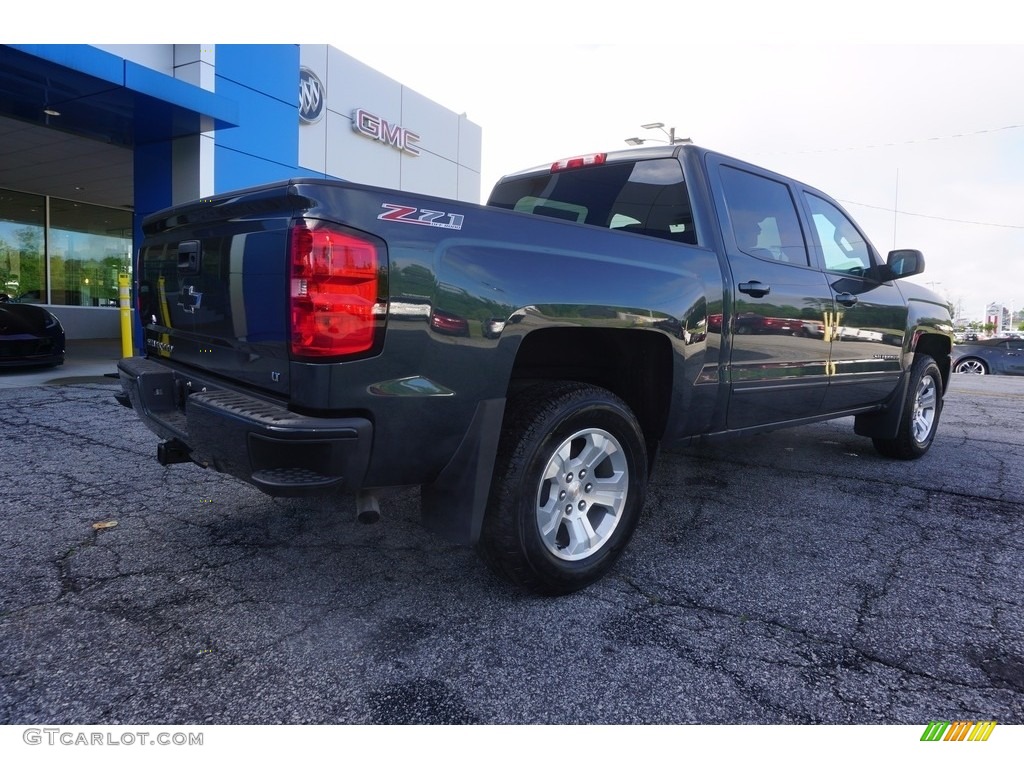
column 794, row 577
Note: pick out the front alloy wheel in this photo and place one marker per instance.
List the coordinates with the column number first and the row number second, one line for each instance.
column 920, row 417
column 925, row 411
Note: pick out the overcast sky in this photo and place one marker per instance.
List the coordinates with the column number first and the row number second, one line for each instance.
column 923, row 144
column 912, row 105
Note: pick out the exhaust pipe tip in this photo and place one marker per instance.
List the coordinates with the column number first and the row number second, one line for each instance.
column 367, row 508
column 368, row 517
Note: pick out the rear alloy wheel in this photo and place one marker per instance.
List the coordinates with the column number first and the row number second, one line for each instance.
column 921, row 411
column 568, row 488
column 971, row 365
column 582, row 494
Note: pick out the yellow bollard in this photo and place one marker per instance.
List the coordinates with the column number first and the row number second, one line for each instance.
column 124, row 299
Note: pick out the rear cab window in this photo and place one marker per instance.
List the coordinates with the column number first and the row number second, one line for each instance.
column 764, row 217
column 646, row 197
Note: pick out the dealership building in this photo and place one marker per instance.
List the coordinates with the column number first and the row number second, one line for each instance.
column 94, row 138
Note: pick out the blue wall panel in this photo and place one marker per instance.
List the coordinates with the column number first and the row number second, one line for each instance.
column 82, row 58
column 264, row 81
column 153, row 166
column 270, row 69
column 233, row 170
column 192, row 97
column 267, row 127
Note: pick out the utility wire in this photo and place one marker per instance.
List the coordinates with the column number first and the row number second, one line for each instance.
column 918, row 141
column 937, row 218
column 902, row 143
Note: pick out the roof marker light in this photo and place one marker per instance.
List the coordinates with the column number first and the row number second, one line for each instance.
column 579, row 162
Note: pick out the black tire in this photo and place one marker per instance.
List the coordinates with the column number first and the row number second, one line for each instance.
column 921, row 412
column 571, row 455
column 971, row 365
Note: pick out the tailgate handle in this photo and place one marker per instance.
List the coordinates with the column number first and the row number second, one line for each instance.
column 189, row 257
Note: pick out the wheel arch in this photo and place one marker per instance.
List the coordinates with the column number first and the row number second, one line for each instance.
column 939, row 348
column 634, row 364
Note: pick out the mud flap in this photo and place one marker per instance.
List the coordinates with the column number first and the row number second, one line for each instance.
column 884, row 424
column 453, row 505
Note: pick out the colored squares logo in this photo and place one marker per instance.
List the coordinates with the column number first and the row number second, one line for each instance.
column 958, row 730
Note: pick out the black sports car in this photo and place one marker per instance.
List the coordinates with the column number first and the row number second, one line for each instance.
column 29, row 335
column 990, row 356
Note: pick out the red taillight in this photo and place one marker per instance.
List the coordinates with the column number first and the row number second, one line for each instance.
column 579, row 162
column 334, row 290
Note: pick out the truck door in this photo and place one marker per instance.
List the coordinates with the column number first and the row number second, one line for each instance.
column 778, row 353
column 870, row 317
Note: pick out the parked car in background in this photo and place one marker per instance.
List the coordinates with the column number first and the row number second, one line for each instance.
column 1002, row 356
column 29, row 335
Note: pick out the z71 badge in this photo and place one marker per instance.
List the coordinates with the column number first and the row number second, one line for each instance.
column 406, row 214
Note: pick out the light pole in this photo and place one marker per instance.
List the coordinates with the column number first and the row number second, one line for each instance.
column 635, row 141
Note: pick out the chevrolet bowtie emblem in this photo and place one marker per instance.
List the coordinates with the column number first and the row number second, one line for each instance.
column 190, row 299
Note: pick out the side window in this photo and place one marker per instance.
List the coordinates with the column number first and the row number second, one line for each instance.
column 653, row 201
column 842, row 245
column 764, row 218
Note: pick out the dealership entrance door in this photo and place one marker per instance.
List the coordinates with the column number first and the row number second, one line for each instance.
column 65, row 224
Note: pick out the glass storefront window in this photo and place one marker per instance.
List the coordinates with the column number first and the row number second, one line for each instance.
column 88, row 246
column 22, row 245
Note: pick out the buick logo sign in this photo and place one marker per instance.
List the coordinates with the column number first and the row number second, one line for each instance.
column 312, row 95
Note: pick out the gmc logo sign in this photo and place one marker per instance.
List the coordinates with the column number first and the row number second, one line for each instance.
column 393, row 135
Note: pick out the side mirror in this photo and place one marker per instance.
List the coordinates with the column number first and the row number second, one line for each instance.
column 904, row 263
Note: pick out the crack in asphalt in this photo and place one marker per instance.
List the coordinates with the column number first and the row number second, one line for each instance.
column 849, row 648
column 901, row 484
column 63, row 563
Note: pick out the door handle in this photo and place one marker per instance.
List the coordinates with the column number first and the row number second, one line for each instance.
column 755, row 289
column 846, row 299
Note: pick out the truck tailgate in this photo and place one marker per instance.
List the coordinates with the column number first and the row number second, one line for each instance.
column 212, row 287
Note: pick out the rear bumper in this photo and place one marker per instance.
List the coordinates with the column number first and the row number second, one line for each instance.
column 255, row 439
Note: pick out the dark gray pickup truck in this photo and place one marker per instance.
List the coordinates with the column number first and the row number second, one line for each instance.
column 522, row 361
